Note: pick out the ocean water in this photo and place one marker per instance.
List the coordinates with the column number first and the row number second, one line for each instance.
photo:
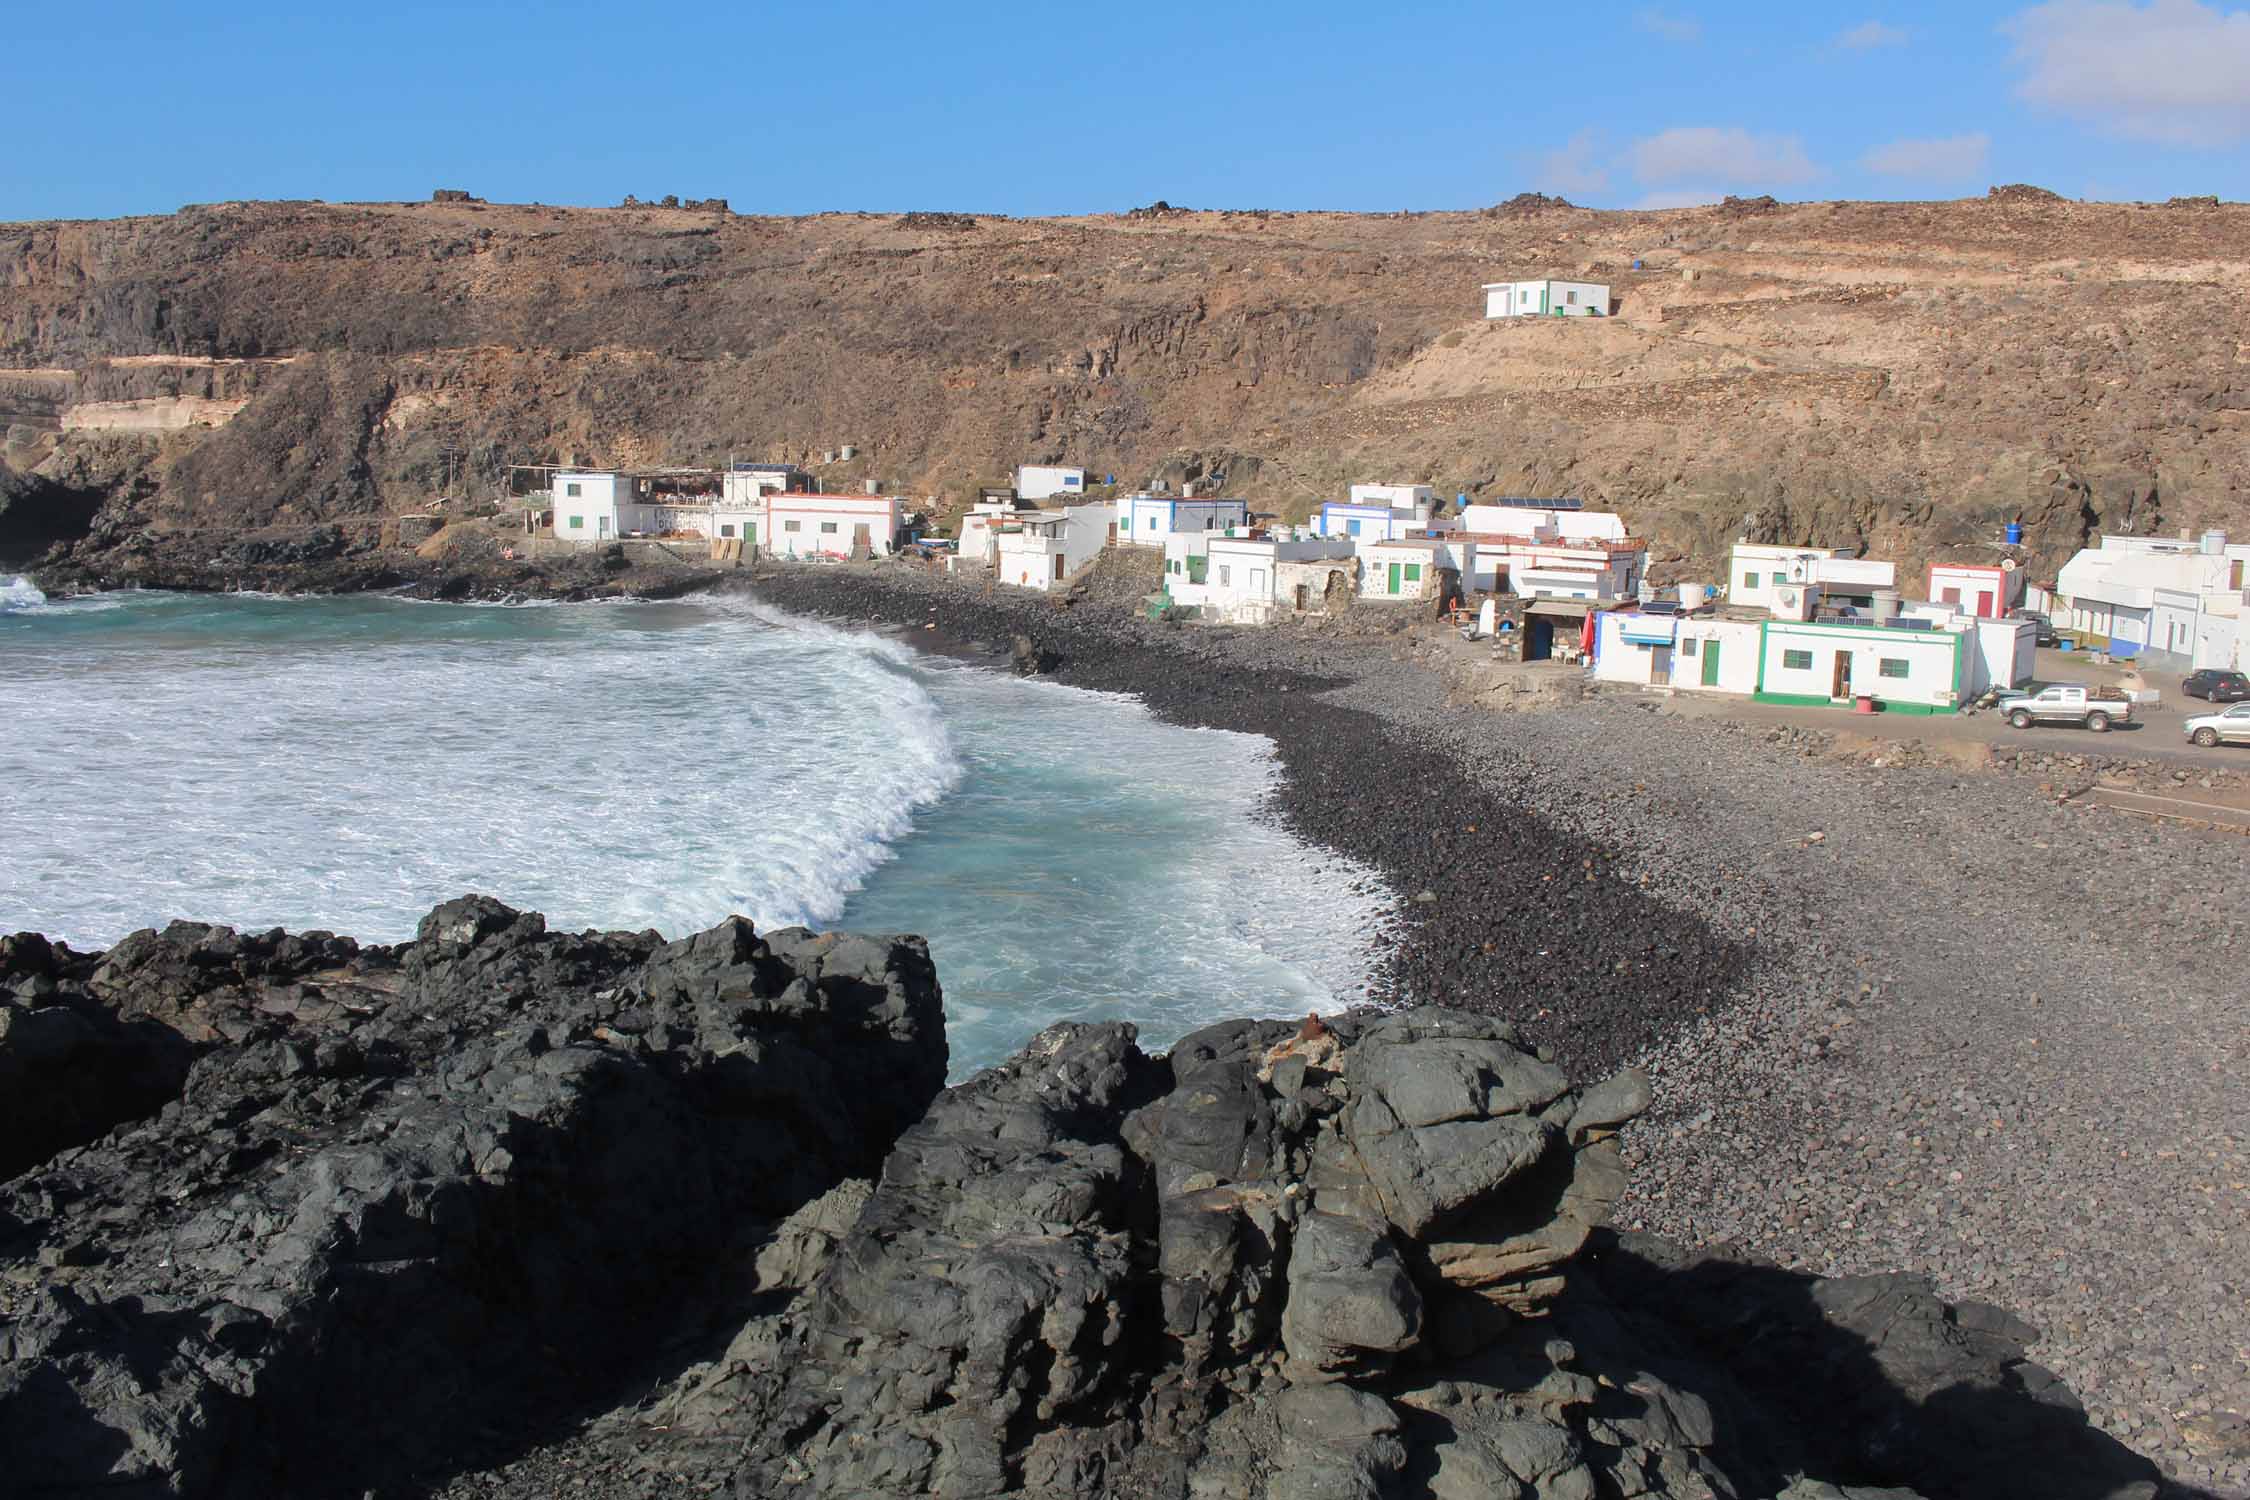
column 348, row 763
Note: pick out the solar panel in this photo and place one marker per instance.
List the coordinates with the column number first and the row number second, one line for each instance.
column 1520, row 504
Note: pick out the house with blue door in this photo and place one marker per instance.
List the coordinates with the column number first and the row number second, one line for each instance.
column 1146, row 520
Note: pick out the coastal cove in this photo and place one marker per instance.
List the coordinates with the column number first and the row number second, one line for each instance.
column 339, row 763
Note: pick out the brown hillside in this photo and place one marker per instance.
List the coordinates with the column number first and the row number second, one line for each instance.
column 1908, row 375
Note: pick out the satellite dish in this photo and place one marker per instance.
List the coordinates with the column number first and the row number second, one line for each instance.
column 2007, row 565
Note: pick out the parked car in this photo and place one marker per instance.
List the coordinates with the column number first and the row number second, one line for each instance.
column 2068, row 703
column 2045, row 633
column 2218, row 686
column 2231, row 725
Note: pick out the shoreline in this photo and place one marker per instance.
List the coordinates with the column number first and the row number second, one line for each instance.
column 1531, row 923
column 1919, row 1056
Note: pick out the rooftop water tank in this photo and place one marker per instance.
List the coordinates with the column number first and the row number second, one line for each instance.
column 2013, row 532
column 1882, row 607
column 2214, row 543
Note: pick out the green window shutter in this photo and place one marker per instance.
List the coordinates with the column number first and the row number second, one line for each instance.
column 1413, row 572
column 1894, row 666
column 577, row 523
column 1749, row 580
column 1797, row 661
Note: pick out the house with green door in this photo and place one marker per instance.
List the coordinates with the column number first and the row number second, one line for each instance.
column 1694, row 653
column 1402, row 569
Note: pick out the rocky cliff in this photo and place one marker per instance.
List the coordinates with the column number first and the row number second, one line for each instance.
column 1907, row 376
column 509, row 1212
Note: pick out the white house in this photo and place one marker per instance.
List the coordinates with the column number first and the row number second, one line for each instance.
column 1420, row 498
column 811, row 525
column 1905, row 669
column 1543, row 521
column 1538, row 299
column 1042, row 482
column 980, row 526
column 1256, row 580
column 1146, row 520
column 1758, row 569
column 2172, row 599
column 1987, row 592
column 1038, row 549
column 1379, row 512
column 598, row 505
column 1402, row 569
column 1704, row 654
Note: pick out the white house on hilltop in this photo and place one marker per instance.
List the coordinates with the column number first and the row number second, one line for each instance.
column 1546, row 299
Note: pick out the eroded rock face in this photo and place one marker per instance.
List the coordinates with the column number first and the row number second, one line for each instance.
column 410, row 1193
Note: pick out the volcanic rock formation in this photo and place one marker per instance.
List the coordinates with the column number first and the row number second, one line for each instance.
column 416, row 1208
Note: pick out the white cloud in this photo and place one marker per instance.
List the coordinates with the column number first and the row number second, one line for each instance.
column 2171, row 71
column 1728, row 156
column 1950, row 158
column 1572, row 168
column 1869, row 34
column 1670, row 27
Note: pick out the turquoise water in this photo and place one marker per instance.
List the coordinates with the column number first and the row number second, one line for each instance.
column 347, row 763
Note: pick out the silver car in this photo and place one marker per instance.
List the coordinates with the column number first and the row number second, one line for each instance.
column 2231, row 725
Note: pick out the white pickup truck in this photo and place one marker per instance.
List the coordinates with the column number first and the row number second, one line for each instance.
column 2068, row 703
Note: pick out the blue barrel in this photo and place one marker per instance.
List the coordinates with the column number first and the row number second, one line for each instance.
column 2014, row 533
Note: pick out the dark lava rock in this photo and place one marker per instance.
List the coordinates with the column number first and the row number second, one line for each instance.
column 409, row 1196
column 540, row 1212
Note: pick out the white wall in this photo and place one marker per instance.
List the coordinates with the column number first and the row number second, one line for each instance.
column 592, row 514
column 1417, row 571
column 1040, row 481
column 1989, row 592
column 1929, row 656
column 1733, row 644
column 1397, row 496
column 800, row 525
column 2004, row 654
column 1754, row 569
column 1522, row 299
column 1147, row 519
column 1066, row 540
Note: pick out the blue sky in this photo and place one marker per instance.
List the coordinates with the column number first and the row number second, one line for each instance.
column 1042, row 108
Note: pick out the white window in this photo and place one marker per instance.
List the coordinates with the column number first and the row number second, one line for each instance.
column 1224, row 579
column 1571, row 298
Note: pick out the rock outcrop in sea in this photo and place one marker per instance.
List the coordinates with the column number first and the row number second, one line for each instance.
column 332, row 1219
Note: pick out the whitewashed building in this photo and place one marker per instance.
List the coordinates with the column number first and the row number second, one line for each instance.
column 1379, row 512
column 1543, row 299
column 1038, row 549
column 1905, row 669
column 797, row 524
column 1758, row 569
column 1543, row 521
column 599, row 505
column 1256, row 580
column 2178, row 601
column 1987, row 592
column 1146, row 520
column 1403, row 569
column 1045, row 481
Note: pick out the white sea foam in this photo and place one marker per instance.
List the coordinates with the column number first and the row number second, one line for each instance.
column 347, row 763
column 20, row 593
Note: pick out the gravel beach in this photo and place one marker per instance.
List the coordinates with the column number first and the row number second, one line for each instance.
column 1917, row 1019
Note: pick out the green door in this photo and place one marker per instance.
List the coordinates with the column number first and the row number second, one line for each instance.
column 1710, row 650
column 1394, row 578
column 750, row 532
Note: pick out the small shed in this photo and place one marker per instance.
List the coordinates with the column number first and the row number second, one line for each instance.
column 1550, row 298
